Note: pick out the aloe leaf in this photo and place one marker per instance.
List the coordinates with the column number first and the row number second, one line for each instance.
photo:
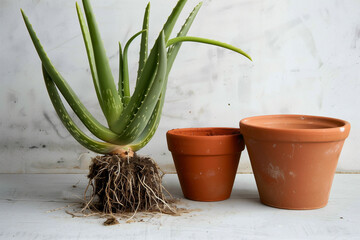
column 146, row 106
column 111, row 100
column 150, row 128
column 167, row 28
column 174, row 49
column 207, row 41
column 144, row 113
column 154, row 121
column 90, row 53
column 146, row 79
column 148, row 73
column 170, row 23
column 125, row 69
column 85, row 116
column 74, row 130
column 144, row 42
column 121, row 80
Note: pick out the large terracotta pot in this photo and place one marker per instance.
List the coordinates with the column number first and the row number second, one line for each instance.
column 206, row 160
column 294, row 157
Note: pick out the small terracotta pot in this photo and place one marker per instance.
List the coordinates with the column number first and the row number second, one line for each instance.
column 206, row 160
column 294, row 157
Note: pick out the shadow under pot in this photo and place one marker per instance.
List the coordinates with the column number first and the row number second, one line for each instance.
column 206, row 160
column 294, row 157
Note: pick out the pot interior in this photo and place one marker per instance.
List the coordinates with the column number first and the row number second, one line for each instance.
column 205, row 131
column 294, row 122
column 294, row 128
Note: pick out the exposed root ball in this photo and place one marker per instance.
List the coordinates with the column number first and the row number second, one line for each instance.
column 126, row 184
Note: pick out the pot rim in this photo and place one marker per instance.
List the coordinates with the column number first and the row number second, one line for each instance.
column 226, row 132
column 314, row 128
column 227, row 141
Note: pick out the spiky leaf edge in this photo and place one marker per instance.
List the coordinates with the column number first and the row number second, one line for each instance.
column 112, row 102
column 74, row 130
column 84, row 115
column 154, row 121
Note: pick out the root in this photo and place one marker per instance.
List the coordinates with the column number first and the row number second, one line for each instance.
column 125, row 185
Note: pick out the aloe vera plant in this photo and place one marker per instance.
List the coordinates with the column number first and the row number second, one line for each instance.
column 132, row 119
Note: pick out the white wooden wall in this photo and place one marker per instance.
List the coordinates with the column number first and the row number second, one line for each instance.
column 306, row 60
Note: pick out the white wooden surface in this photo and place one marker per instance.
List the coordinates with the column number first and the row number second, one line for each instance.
column 26, row 202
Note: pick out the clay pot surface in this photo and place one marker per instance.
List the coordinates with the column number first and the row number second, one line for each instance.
column 294, row 157
column 206, row 160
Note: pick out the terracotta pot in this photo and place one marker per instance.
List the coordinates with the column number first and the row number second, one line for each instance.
column 206, row 160
column 294, row 157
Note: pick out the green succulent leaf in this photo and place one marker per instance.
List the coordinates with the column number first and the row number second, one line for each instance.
column 125, row 69
column 144, row 42
column 141, row 110
column 147, row 78
column 84, row 115
column 167, row 28
column 170, row 23
column 207, row 41
column 90, row 54
column 150, row 129
column 154, row 121
column 147, row 74
column 121, row 80
column 174, row 48
column 112, row 103
column 132, row 120
column 74, row 130
column 145, row 110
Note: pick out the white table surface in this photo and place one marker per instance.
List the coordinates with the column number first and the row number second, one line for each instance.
column 27, row 201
